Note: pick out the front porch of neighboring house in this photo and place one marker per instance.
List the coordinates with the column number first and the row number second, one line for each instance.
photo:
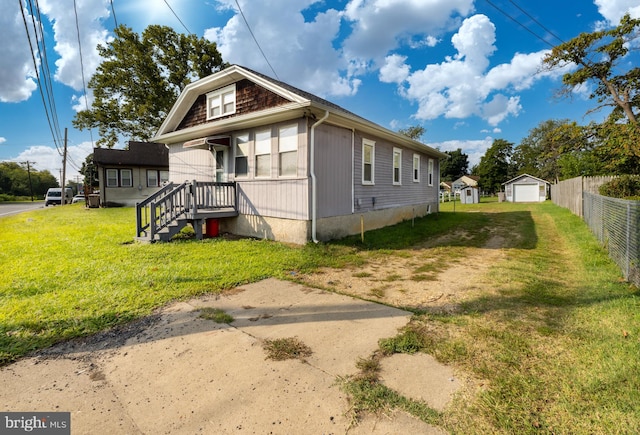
column 164, row 214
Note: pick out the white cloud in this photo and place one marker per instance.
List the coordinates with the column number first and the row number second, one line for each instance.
column 394, row 69
column 91, row 13
column 308, row 59
column 3, row 140
column 17, row 73
column 382, row 25
column 613, row 10
column 462, row 86
column 48, row 158
column 475, row 149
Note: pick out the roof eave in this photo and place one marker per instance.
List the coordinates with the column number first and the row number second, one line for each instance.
column 347, row 120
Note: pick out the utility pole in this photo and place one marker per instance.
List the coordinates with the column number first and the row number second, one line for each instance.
column 30, row 184
column 63, row 200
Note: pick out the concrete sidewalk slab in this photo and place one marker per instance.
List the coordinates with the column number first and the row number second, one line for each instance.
column 182, row 374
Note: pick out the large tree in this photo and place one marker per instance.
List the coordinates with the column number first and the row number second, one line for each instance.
column 415, row 132
column 140, row 78
column 22, row 179
column 454, row 166
column 600, row 59
column 495, row 166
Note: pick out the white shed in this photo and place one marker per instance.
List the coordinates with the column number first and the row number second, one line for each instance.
column 469, row 195
column 526, row 188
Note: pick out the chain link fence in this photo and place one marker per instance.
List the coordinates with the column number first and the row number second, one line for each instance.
column 616, row 224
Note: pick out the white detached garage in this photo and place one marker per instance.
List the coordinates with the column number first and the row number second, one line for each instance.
column 526, row 188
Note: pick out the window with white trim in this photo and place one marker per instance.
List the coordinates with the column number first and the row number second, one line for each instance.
column 152, row 178
column 221, row 102
column 126, row 178
column 119, row 178
column 112, row 178
column 288, row 150
column 416, row 168
column 368, row 161
column 156, row 178
column 263, row 153
column 430, row 172
column 397, row 166
column 242, row 155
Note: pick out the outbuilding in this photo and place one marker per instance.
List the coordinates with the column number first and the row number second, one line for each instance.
column 526, row 188
column 469, row 195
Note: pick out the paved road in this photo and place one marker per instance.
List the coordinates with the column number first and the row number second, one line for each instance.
column 9, row 208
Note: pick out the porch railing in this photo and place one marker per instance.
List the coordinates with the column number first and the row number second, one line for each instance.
column 186, row 200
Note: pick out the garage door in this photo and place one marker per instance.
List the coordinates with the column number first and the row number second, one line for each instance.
column 525, row 193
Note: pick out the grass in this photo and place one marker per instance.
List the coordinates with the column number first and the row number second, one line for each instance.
column 71, row 271
column 554, row 341
column 281, row 349
column 215, row 314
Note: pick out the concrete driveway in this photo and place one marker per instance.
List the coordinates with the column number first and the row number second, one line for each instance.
column 177, row 373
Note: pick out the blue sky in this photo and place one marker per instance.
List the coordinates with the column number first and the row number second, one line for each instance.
column 467, row 71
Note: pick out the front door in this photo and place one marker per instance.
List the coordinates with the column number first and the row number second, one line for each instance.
column 221, row 164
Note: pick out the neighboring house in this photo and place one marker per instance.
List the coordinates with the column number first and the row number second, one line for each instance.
column 272, row 161
column 465, row 180
column 469, row 195
column 526, row 188
column 445, row 186
column 127, row 177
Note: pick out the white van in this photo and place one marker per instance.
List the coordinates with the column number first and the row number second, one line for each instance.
column 54, row 196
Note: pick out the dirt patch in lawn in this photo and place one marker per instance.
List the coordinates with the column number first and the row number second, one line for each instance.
column 432, row 277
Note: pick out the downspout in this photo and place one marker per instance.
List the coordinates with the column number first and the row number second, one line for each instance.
column 312, row 172
column 353, row 182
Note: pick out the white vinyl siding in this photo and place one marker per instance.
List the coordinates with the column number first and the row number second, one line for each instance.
column 397, row 166
column 288, row 150
column 221, row 102
column 416, row 168
column 263, row 153
column 242, row 155
column 368, row 161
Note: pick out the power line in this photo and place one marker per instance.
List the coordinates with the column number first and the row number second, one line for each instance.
column 177, row 17
column 256, row 41
column 115, row 20
column 536, row 21
column 43, row 89
column 84, row 85
column 520, row 24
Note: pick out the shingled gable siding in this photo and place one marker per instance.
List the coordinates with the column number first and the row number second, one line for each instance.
column 249, row 98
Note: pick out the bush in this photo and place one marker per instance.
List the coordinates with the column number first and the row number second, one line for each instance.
column 624, row 186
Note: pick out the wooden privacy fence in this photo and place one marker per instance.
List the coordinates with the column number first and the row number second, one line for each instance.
column 614, row 222
column 569, row 193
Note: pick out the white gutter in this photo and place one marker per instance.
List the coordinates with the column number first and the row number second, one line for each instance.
column 314, row 205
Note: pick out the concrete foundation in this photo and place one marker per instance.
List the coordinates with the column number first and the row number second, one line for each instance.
column 299, row 231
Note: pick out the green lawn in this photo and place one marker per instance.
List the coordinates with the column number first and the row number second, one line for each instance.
column 554, row 345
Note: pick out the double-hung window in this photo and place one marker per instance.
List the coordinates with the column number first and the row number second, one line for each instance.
column 430, row 173
column 242, row 155
column 156, row 178
column 221, row 102
column 397, row 166
column 368, row 161
column 119, row 178
column 263, row 153
column 416, row 168
column 288, row 150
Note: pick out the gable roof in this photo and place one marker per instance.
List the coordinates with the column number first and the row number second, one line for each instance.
column 301, row 103
column 525, row 175
column 138, row 154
